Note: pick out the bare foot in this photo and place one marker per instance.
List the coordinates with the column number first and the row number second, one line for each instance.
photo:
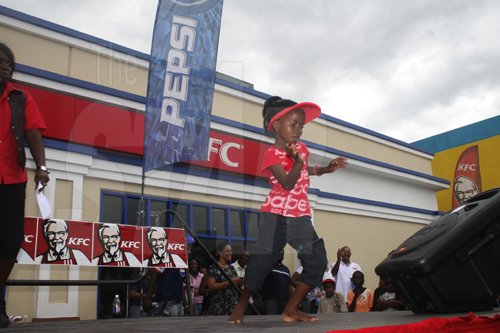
column 237, row 316
column 296, row 315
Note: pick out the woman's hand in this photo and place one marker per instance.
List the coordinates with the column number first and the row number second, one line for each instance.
column 238, row 281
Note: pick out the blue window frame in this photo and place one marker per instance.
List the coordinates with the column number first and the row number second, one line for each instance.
column 232, row 225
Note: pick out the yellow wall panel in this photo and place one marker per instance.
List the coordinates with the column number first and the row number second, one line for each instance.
column 489, row 160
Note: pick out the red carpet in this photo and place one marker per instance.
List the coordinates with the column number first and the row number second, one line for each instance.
column 470, row 323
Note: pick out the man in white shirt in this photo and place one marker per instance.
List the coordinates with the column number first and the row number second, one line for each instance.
column 240, row 264
column 343, row 269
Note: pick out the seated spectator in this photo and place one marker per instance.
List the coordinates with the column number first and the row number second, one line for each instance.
column 359, row 299
column 385, row 298
column 276, row 289
column 332, row 301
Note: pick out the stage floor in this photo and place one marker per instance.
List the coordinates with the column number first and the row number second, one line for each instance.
column 212, row 324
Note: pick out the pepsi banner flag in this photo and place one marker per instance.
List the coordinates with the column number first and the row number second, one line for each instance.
column 66, row 242
column 181, row 81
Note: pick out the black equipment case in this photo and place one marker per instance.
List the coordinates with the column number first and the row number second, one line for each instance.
column 453, row 263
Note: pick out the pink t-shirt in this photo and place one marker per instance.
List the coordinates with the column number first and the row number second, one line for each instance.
column 294, row 203
column 195, row 288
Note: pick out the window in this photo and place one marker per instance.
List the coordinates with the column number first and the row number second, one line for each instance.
column 158, row 213
column 210, row 223
column 252, row 225
column 112, row 209
column 219, row 222
column 237, row 223
column 181, row 211
column 200, row 220
column 134, row 211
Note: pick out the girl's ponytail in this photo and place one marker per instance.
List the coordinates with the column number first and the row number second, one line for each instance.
column 272, row 106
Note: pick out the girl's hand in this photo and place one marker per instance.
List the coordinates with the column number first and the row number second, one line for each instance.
column 337, row 163
column 294, row 152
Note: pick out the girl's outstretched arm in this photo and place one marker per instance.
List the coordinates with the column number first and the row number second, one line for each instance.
column 336, row 163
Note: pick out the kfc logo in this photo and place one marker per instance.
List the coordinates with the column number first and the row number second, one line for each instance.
column 467, row 180
column 56, row 235
column 466, row 167
column 131, row 244
column 176, row 247
column 110, row 235
column 79, row 241
column 217, row 146
column 160, row 247
column 29, row 238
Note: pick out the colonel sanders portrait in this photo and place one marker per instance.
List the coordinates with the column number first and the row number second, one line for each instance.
column 110, row 239
column 56, row 235
column 157, row 240
column 464, row 189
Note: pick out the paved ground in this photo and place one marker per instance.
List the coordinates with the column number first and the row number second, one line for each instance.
column 259, row 324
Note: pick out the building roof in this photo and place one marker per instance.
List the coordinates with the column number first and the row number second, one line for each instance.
column 460, row 136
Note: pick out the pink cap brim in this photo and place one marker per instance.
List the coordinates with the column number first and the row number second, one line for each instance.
column 311, row 110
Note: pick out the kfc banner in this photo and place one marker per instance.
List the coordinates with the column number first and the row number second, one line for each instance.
column 65, row 242
column 181, row 81
column 467, row 179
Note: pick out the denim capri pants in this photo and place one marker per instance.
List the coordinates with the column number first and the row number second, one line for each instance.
column 275, row 231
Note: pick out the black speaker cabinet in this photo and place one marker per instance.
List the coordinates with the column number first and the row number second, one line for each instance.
column 452, row 264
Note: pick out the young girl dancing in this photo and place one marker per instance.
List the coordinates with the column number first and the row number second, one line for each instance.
column 285, row 213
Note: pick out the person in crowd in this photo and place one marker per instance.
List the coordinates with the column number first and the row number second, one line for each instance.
column 240, row 264
column 343, row 269
column 20, row 121
column 332, row 301
column 310, row 302
column 167, row 288
column 195, row 277
column 137, row 293
column 385, row 298
column 285, row 214
column 109, row 236
column 359, row 299
column 276, row 289
column 223, row 296
column 198, row 252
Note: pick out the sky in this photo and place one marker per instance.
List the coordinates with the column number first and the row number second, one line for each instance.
column 405, row 69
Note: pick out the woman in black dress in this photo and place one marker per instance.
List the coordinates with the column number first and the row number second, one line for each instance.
column 223, row 297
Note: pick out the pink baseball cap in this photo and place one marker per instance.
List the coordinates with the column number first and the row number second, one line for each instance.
column 311, row 110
